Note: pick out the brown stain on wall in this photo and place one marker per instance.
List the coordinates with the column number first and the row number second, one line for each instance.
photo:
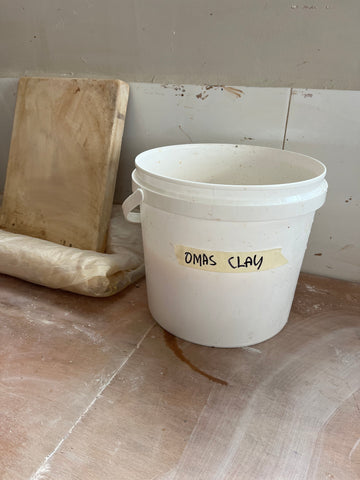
column 179, row 89
column 205, row 89
column 171, row 342
column 235, row 91
column 203, row 95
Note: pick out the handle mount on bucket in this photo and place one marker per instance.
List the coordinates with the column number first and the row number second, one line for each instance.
column 133, row 201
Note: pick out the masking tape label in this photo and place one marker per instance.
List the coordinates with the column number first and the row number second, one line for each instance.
column 229, row 262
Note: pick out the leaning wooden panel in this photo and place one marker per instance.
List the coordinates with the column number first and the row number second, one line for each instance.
column 64, row 158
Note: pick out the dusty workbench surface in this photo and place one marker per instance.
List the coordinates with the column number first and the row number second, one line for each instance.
column 94, row 389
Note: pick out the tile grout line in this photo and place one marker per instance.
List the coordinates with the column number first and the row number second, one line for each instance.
column 287, row 119
column 43, row 467
column 143, row 337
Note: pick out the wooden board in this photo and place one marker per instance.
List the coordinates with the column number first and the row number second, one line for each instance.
column 63, row 159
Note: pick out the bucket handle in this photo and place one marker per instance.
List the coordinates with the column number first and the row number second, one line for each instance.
column 133, row 201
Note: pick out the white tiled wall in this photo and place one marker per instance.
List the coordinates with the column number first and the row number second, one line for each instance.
column 8, row 87
column 320, row 123
column 326, row 125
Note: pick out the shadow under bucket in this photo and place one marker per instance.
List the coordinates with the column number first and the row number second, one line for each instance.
column 225, row 229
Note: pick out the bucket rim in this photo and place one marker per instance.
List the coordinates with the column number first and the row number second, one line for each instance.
column 225, row 186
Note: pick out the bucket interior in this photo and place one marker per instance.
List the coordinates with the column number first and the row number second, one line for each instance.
column 229, row 164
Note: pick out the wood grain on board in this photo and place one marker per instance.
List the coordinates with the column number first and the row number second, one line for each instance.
column 63, row 159
column 91, row 389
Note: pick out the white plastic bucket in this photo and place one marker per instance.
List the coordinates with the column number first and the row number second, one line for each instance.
column 225, row 228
